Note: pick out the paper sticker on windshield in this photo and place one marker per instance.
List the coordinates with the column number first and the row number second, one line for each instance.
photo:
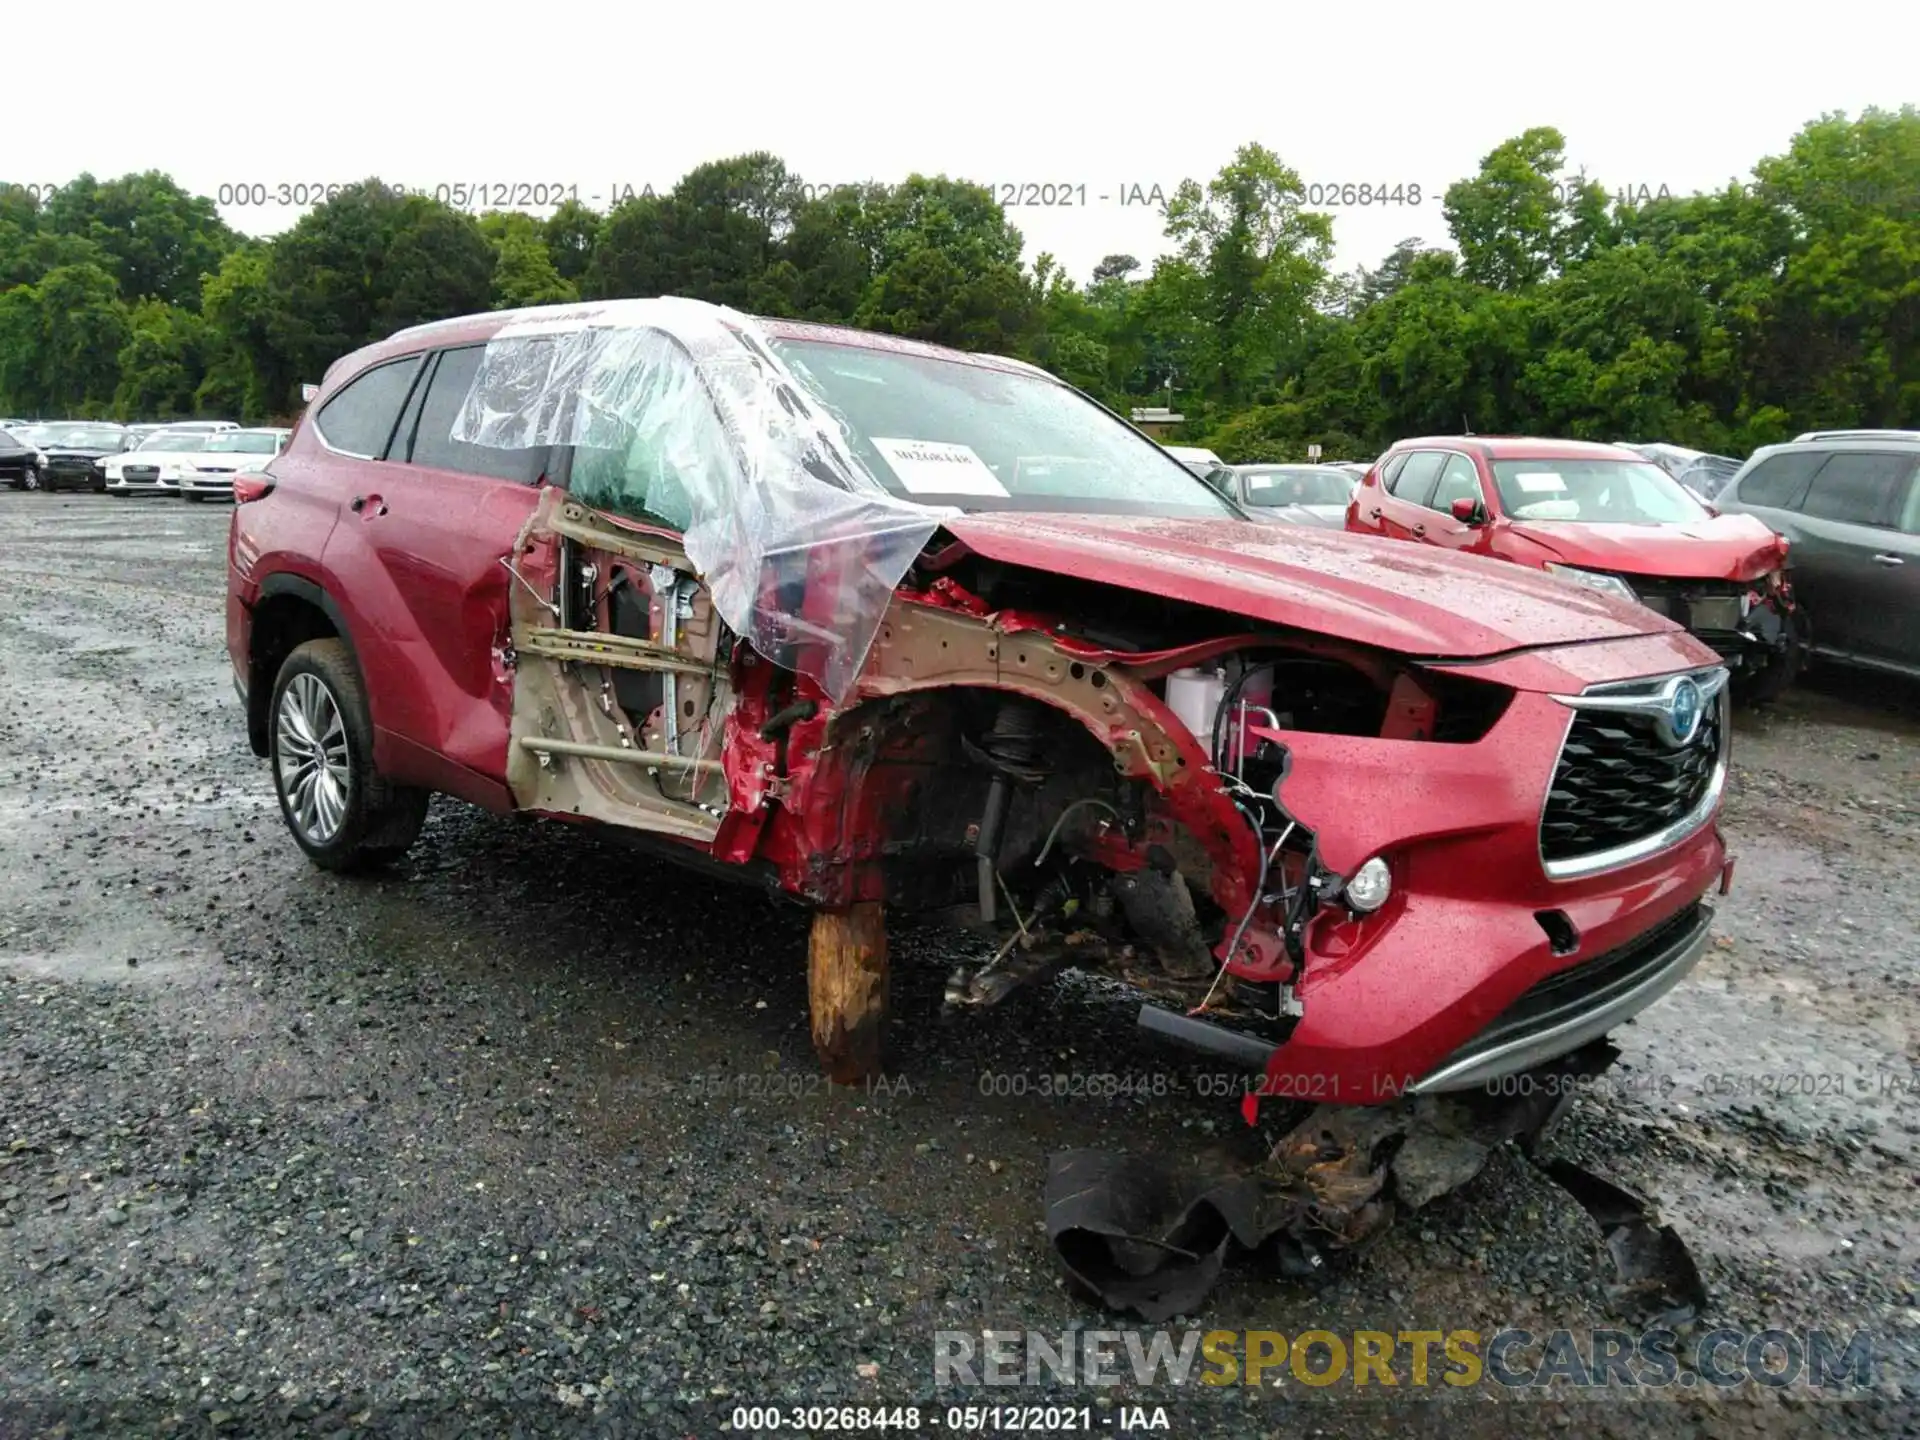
column 1540, row 482
column 933, row 467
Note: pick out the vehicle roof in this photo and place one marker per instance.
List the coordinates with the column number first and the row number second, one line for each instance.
column 1518, row 447
column 475, row 329
column 1846, row 440
column 1817, row 436
column 1253, row 465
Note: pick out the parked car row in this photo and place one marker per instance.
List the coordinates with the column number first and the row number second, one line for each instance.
column 1810, row 548
column 194, row 459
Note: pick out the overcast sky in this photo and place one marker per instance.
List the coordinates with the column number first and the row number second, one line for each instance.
column 599, row 96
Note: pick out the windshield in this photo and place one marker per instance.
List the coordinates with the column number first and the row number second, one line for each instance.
column 1616, row 492
column 946, row 432
column 175, row 440
column 84, row 438
column 1297, row 485
column 241, row 442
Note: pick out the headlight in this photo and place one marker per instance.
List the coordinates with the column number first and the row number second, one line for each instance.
column 1594, row 580
column 1367, row 891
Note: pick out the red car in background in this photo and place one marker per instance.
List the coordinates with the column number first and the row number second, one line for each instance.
column 1604, row 518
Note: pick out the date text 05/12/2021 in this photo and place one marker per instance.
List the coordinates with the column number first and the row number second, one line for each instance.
column 951, row 1419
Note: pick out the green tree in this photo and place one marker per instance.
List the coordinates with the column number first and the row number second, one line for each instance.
column 1844, row 341
column 362, row 265
column 159, row 239
column 163, row 363
column 523, row 271
column 60, row 340
column 569, row 233
column 1512, row 221
column 246, row 375
column 946, row 266
column 712, row 237
column 1261, row 262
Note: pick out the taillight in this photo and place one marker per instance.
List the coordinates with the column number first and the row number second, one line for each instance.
column 251, row 487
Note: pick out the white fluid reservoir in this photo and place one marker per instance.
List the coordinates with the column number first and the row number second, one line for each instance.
column 1195, row 695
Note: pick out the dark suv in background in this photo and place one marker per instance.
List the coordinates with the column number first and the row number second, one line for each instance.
column 1848, row 501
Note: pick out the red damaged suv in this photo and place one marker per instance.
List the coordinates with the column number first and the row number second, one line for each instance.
column 1602, row 517
column 883, row 625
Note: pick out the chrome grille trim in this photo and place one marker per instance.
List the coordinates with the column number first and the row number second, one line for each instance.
column 1642, row 697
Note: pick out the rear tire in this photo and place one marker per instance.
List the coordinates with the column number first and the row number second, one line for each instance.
column 342, row 812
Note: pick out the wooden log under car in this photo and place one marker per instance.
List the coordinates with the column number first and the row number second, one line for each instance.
column 847, row 990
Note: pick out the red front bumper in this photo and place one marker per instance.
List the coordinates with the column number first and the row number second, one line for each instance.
column 1474, row 923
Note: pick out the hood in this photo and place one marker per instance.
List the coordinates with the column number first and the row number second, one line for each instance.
column 77, row 452
column 1715, row 547
column 1327, row 517
column 1413, row 599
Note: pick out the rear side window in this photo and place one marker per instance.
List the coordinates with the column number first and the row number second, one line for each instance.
column 1415, row 480
column 359, row 419
column 1859, row 488
column 1390, row 471
column 1910, row 513
column 432, row 442
column 1780, row 480
column 1459, row 480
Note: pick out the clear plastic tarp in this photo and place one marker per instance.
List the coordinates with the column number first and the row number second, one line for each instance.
column 680, row 413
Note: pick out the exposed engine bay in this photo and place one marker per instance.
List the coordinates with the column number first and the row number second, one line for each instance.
column 1107, row 794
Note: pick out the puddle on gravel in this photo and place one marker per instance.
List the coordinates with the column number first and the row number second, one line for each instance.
column 119, row 962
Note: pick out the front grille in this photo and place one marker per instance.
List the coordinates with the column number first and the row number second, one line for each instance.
column 140, row 474
column 1709, row 606
column 1618, row 781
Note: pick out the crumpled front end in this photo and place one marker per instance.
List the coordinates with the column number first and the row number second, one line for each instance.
column 1545, row 883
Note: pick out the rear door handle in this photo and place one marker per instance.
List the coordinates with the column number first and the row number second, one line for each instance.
column 360, row 503
column 1888, row 560
column 1420, row 530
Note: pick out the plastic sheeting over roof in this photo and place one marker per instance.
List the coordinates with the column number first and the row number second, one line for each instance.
column 680, row 413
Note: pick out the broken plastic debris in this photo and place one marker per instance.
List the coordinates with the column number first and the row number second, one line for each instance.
column 1143, row 1236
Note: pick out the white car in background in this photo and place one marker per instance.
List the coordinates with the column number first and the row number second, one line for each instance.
column 210, row 471
column 155, row 465
column 1201, row 462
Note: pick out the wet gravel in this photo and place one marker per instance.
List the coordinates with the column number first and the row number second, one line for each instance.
column 527, row 1136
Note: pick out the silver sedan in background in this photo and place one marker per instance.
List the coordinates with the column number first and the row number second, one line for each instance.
column 1314, row 495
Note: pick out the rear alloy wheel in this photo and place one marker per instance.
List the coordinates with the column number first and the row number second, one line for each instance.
column 341, row 811
column 314, row 769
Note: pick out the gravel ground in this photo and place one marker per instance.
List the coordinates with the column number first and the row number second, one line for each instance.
column 527, row 1135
